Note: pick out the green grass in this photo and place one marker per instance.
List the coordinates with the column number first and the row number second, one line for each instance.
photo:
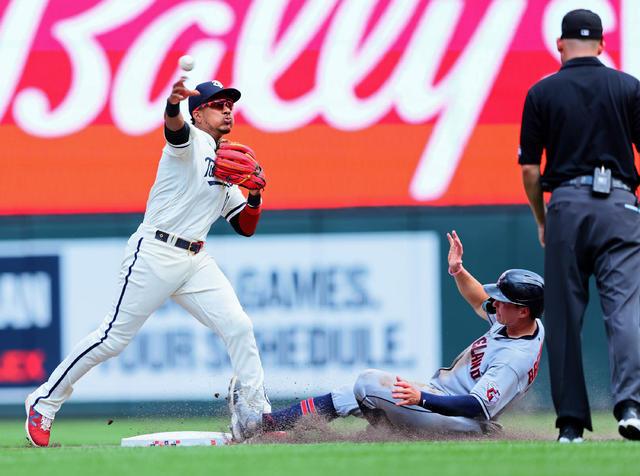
column 91, row 447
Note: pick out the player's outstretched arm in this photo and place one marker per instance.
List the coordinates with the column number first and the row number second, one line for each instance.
column 468, row 286
column 172, row 117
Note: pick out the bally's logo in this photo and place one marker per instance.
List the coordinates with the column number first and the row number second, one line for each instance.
column 29, row 319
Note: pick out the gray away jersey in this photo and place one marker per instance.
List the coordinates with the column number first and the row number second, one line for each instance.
column 497, row 370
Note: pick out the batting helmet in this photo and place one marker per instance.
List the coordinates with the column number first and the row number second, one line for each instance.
column 519, row 286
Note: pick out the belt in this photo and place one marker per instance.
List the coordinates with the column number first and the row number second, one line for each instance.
column 588, row 180
column 191, row 246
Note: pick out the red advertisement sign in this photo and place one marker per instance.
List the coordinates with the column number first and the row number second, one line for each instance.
column 346, row 103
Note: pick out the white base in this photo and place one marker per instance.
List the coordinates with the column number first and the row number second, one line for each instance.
column 179, row 438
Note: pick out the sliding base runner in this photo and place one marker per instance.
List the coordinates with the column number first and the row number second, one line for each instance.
column 180, row 438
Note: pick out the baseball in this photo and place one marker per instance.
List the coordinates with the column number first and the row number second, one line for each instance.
column 186, row 62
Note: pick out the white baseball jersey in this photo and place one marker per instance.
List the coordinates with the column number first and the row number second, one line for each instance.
column 186, row 198
column 184, row 202
column 496, row 369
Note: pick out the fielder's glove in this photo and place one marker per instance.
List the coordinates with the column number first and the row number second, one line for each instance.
column 237, row 164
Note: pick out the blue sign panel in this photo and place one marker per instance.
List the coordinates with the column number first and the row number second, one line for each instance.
column 29, row 319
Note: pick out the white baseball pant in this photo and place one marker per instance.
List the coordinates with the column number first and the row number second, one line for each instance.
column 151, row 272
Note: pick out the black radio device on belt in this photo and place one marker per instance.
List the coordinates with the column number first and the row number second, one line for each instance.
column 601, row 181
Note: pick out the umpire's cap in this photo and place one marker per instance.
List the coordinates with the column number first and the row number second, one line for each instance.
column 582, row 24
column 519, row 286
column 209, row 91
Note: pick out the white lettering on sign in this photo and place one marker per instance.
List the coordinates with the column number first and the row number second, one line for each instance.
column 328, row 287
column 17, row 30
column 91, row 74
column 259, row 62
column 465, row 90
column 25, row 300
column 349, row 50
column 346, row 59
column 136, row 75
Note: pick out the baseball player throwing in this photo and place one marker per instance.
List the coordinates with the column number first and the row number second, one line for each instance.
column 167, row 258
column 491, row 374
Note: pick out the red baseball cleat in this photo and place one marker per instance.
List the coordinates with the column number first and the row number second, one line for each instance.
column 37, row 426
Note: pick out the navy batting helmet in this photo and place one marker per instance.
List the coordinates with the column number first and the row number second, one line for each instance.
column 519, row 286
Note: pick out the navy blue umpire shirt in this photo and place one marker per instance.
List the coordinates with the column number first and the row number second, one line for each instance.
column 581, row 130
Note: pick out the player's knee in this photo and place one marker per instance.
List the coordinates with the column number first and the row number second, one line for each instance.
column 111, row 347
column 367, row 390
column 242, row 326
column 366, row 383
column 112, row 342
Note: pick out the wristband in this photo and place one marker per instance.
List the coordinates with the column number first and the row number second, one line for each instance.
column 451, row 273
column 254, row 201
column 172, row 110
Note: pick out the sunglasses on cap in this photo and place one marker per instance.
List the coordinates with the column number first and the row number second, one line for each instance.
column 218, row 104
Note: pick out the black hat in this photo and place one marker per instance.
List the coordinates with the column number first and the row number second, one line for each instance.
column 207, row 92
column 582, row 24
column 519, row 286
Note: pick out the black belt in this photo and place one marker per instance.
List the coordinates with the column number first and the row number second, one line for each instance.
column 588, row 180
column 192, row 246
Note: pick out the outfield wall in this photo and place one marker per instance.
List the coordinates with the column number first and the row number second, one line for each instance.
column 430, row 90
column 331, row 292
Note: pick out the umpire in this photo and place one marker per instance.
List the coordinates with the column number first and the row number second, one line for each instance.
column 586, row 116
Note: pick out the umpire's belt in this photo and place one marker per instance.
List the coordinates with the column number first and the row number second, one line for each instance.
column 192, row 246
column 588, row 180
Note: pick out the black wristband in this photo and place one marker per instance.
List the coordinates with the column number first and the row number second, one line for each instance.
column 254, row 200
column 172, row 110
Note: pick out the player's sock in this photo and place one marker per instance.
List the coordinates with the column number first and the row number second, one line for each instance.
column 287, row 418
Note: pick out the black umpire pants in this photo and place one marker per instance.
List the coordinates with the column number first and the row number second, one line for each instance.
column 587, row 235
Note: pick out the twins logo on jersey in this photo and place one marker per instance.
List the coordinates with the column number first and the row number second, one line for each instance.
column 211, row 168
